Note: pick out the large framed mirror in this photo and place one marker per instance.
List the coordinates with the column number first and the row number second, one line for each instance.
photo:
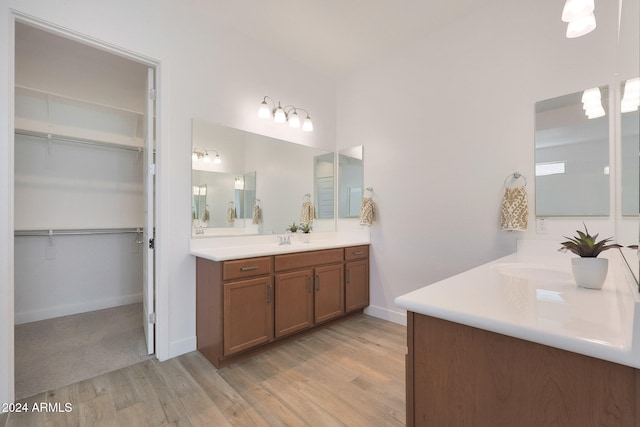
column 256, row 172
column 350, row 181
column 572, row 154
column 630, row 140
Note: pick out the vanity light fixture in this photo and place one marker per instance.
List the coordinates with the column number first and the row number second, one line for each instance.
column 288, row 113
column 592, row 103
column 631, row 98
column 202, row 154
column 579, row 16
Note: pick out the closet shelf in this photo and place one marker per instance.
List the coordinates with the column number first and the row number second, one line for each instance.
column 76, row 232
column 82, row 141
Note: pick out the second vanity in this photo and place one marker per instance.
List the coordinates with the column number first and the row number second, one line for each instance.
column 249, row 297
column 515, row 342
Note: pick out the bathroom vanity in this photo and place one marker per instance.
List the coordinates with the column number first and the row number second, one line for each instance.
column 249, row 298
column 515, row 342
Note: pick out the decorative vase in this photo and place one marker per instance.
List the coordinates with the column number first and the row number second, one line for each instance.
column 590, row 272
column 306, row 237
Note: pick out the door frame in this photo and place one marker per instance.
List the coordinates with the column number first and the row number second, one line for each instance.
column 160, row 207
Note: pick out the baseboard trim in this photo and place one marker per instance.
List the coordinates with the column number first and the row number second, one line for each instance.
column 66, row 310
column 183, row 346
column 386, row 314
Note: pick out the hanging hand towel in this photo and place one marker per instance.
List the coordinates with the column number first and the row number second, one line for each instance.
column 367, row 211
column 514, row 215
column 257, row 214
column 205, row 216
column 231, row 215
column 308, row 213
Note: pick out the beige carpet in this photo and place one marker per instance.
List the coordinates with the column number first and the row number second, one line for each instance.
column 56, row 352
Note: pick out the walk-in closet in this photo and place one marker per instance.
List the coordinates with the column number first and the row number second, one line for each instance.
column 81, row 210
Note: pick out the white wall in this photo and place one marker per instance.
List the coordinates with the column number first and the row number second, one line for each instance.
column 206, row 71
column 445, row 120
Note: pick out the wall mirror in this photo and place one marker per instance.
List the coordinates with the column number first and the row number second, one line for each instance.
column 630, row 140
column 256, row 170
column 572, row 154
column 350, row 181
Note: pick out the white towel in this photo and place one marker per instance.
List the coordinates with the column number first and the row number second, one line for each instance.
column 308, row 213
column 205, row 216
column 514, row 215
column 367, row 211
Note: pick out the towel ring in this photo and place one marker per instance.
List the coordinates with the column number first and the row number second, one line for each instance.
column 515, row 176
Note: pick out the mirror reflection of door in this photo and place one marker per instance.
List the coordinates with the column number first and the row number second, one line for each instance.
column 350, row 182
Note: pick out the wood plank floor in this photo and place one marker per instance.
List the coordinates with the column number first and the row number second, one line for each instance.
column 350, row 374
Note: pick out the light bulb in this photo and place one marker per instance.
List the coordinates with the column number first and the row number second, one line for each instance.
column 591, row 94
column 194, row 156
column 294, row 120
column 217, row 160
column 207, row 159
column 595, row 113
column 575, row 9
column 581, row 26
column 279, row 116
column 264, row 112
column 307, row 125
column 629, row 105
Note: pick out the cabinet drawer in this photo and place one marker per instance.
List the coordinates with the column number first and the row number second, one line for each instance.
column 356, row 252
column 246, row 268
column 308, row 259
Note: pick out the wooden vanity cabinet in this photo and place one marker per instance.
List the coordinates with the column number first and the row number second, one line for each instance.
column 356, row 278
column 294, row 304
column 244, row 305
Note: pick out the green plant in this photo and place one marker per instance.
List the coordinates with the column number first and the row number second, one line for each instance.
column 306, row 228
column 293, row 227
column 586, row 246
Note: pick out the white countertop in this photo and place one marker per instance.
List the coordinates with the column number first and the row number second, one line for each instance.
column 535, row 298
column 268, row 245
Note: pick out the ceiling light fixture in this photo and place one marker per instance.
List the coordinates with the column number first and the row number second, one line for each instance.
column 288, row 113
column 579, row 16
column 202, row 154
column 592, row 103
column 631, row 98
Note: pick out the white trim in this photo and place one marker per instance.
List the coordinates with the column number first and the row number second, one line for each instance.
column 66, row 310
column 399, row 317
column 183, row 346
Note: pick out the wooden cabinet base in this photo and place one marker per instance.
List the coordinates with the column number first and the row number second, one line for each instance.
column 221, row 361
column 459, row 375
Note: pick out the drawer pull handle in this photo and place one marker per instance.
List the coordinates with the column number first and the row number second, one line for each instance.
column 348, row 275
column 310, row 284
column 358, row 252
column 253, row 267
column 317, row 283
column 269, row 294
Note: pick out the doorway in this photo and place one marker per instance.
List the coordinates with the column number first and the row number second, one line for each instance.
column 83, row 200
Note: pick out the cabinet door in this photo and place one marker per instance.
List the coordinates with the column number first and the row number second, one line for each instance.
column 329, row 292
column 356, row 285
column 293, row 302
column 248, row 314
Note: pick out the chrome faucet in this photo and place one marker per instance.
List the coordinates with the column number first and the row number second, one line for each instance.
column 284, row 239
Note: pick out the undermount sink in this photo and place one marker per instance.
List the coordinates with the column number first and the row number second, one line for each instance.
column 533, row 272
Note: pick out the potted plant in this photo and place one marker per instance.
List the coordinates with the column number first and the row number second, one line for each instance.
column 589, row 271
column 306, row 230
column 293, row 227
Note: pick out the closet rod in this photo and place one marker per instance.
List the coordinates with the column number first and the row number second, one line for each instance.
column 77, row 232
column 79, row 140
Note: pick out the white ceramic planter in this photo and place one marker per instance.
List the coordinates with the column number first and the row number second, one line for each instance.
column 590, row 272
column 305, row 237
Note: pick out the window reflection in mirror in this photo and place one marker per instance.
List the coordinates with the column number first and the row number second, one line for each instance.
column 324, row 185
column 630, row 138
column 350, row 182
column 572, row 154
